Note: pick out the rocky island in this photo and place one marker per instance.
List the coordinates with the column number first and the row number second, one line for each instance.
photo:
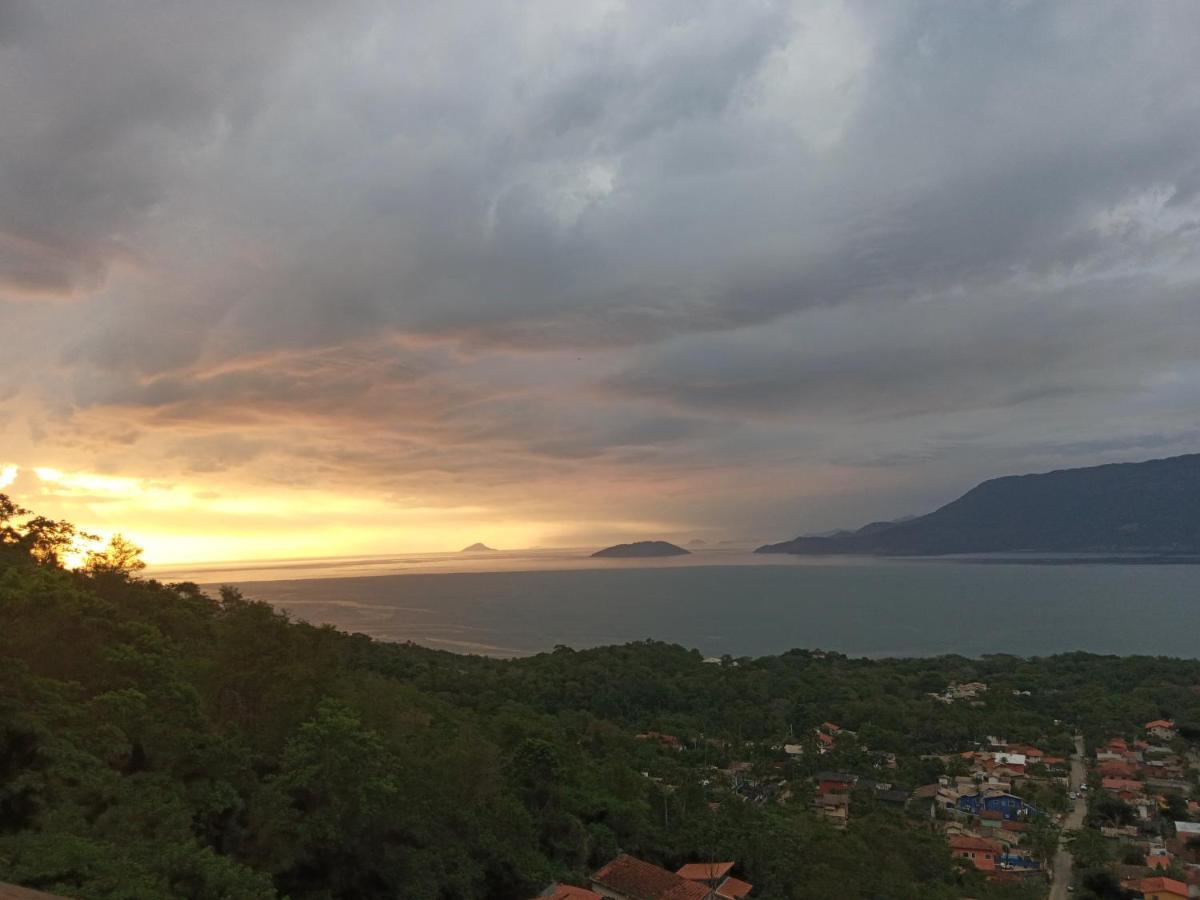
column 478, row 548
column 641, row 549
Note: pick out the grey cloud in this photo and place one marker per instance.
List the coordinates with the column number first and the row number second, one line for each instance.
column 715, row 235
column 937, row 355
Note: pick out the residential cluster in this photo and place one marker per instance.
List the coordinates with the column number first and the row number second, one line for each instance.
column 1001, row 811
column 1141, row 799
column 984, row 813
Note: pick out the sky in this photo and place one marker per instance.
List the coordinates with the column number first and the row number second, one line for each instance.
column 283, row 278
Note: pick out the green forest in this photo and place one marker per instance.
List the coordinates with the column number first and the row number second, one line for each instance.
column 157, row 740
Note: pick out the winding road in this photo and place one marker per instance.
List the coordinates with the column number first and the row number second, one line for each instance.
column 1074, row 820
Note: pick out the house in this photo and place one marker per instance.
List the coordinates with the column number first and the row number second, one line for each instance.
column 793, row 749
column 835, row 807
column 630, row 878
column 893, row 797
column 980, row 852
column 1032, row 754
column 835, row 782
column 1158, row 888
column 1122, row 786
column 560, row 892
column 715, row 876
column 1113, row 769
column 1188, row 831
column 733, row 889
column 1163, row 729
column 1009, row 806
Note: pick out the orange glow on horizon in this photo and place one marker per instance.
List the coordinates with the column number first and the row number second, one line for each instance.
column 178, row 524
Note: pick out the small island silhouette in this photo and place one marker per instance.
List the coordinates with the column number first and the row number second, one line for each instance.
column 641, row 548
column 478, row 548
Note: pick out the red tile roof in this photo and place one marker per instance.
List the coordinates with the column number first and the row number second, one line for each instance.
column 1160, row 723
column 704, row 871
column 1167, row 885
column 969, row 842
column 1122, row 784
column 734, row 889
column 570, row 892
column 641, row 880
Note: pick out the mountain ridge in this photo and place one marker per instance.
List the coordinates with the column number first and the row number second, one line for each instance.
column 1140, row 507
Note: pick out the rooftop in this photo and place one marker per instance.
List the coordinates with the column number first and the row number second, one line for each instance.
column 641, row 880
column 569, row 892
column 704, row 871
column 970, row 842
column 734, row 889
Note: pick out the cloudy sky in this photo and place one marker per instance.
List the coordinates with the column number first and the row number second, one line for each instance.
column 289, row 278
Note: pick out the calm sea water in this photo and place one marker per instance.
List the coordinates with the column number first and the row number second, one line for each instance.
column 733, row 602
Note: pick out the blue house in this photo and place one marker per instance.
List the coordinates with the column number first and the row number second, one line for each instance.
column 1010, row 806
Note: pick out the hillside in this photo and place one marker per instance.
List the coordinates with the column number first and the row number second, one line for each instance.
column 207, row 747
column 1147, row 507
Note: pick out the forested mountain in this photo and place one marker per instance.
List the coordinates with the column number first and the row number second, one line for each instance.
column 156, row 742
column 1147, row 507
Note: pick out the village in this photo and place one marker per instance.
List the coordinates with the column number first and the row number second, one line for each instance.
column 1120, row 819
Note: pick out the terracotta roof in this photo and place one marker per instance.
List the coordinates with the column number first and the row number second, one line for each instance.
column 1122, row 784
column 569, row 892
column 641, row 880
column 704, row 871
column 734, row 889
column 1169, row 885
column 1160, row 723
column 970, row 842
column 16, row 892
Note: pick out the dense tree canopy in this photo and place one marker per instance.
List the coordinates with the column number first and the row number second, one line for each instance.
column 156, row 741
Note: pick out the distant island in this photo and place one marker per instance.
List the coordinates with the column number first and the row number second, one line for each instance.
column 641, row 549
column 1136, row 508
column 478, row 548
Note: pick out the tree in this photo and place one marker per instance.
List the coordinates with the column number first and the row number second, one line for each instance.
column 121, row 558
column 38, row 539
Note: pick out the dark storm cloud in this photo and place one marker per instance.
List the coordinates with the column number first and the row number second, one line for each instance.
column 474, row 240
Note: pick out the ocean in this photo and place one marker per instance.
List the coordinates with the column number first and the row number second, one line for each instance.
column 729, row 601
